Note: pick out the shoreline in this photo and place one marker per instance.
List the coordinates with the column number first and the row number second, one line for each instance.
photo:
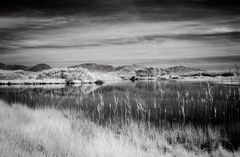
column 233, row 80
column 99, row 74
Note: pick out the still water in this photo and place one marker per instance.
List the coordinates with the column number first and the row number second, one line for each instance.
column 156, row 103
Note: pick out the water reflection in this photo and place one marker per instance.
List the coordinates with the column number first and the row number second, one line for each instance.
column 154, row 103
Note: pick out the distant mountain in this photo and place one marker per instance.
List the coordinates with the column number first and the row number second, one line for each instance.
column 13, row 67
column 39, row 67
column 35, row 68
column 181, row 69
column 93, row 67
column 107, row 68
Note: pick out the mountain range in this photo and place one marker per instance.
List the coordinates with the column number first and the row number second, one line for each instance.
column 35, row 68
column 93, row 67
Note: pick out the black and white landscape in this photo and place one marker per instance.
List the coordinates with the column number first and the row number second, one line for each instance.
column 119, row 78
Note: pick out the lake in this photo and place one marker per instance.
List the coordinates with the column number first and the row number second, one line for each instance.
column 156, row 103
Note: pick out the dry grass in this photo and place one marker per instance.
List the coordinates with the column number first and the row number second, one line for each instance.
column 49, row 132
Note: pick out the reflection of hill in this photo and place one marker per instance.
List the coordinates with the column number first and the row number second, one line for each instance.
column 73, row 90
column 88, row 88
column 50, row 90
column 147, row 86
column 47, row 86
column 117, row 86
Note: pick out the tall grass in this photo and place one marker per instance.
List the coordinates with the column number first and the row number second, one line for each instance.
column 49, row 132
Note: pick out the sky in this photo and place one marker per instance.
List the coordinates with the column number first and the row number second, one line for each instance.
column 163, row 35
